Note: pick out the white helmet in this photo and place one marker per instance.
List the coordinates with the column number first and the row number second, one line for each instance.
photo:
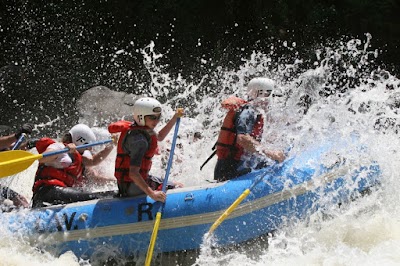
column 82, row 134
column 143, row 107
column 260, row 87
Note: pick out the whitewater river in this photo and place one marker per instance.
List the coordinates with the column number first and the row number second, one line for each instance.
column 365, row 232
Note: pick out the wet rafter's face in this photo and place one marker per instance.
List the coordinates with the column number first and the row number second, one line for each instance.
column 152, row 120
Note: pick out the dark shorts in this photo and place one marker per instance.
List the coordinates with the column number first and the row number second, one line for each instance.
column 51, row 195
column 130, row 189
column 227, row 169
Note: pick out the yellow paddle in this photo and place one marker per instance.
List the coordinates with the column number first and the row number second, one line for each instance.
column 13, row 162
column 235, row 204
column 161, row 209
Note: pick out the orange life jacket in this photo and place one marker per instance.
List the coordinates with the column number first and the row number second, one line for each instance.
column 50, row 176
column 226, row 145
column 122, row 161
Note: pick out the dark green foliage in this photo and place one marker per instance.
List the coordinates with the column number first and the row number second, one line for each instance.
column 65, row 47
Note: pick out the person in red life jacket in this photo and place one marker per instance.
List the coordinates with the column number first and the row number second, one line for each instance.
column 59, row 177
column 136, row 146
column 238, row 146
column 7, row 141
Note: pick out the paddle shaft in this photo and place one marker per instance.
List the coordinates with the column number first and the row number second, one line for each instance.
column 46, row 154
column 15, row 161
column 19, row 141
column 235, row 204
column 171, row 155
column 164, row 188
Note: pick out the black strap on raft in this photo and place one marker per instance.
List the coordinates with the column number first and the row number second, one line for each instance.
column 232, row 147
column 209, row 158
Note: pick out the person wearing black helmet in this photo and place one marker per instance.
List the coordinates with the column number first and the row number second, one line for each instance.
column 9, row 199
column 7, row 141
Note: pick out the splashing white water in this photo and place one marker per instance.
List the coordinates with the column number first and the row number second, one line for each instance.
column 343, row 95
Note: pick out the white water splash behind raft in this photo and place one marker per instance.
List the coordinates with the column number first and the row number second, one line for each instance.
column 365, row 232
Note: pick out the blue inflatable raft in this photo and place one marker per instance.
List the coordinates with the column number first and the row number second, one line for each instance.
column 291, row 190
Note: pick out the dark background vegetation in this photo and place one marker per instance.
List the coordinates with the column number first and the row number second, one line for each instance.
column 52, row 51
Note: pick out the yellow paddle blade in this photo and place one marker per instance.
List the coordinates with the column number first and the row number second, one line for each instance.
column 13, row 162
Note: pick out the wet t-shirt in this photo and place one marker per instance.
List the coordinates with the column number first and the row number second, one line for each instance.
column 136, row 147
column 246, row 120
column 244, row 125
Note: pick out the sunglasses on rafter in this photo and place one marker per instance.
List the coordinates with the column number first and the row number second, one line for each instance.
column 154, row 117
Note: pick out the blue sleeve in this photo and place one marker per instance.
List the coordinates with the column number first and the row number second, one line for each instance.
column 245, row 121
column 135, row 146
